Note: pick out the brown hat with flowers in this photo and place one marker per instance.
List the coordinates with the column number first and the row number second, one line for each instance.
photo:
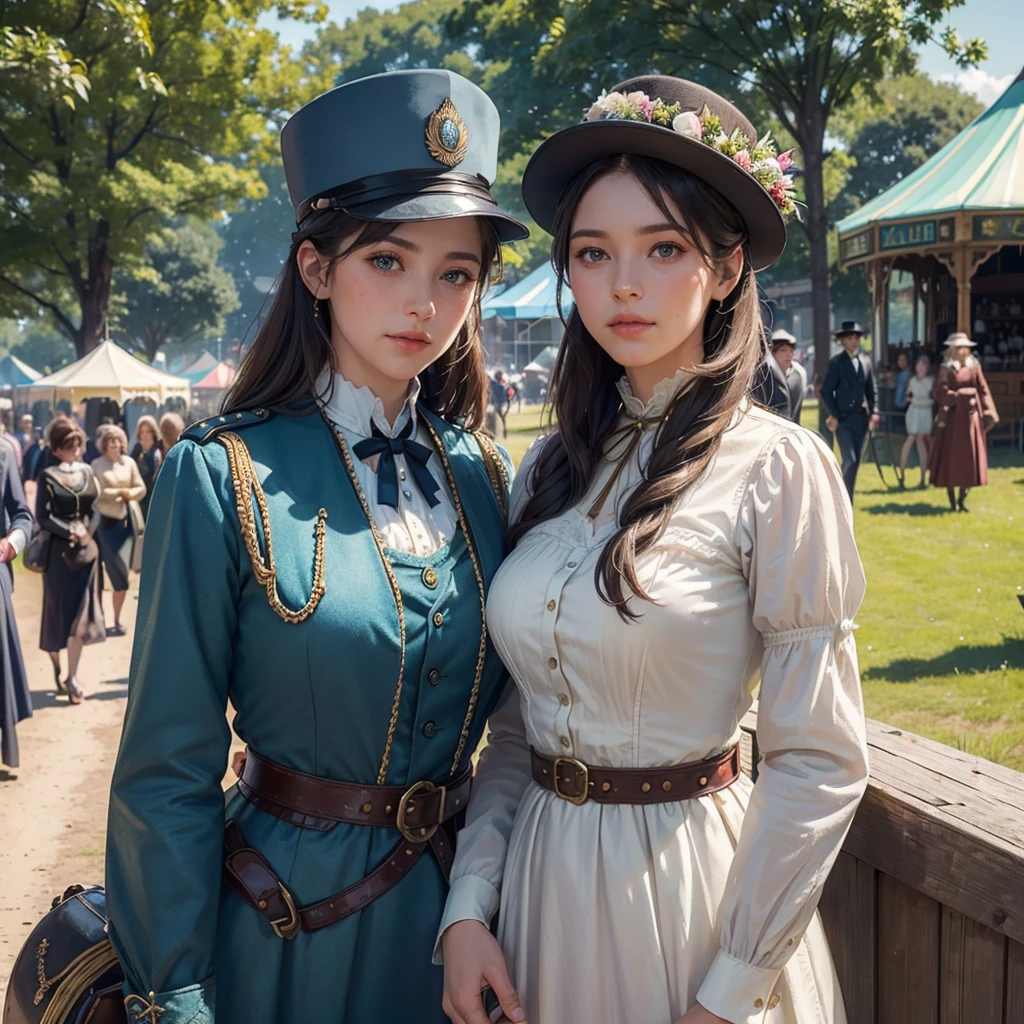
column 684, row 124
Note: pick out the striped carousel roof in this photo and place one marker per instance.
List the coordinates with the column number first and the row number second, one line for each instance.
column 981, row 169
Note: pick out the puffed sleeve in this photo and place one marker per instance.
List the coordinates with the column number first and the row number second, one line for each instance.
column 166, row 823
column 806, row 583
column 502, row 775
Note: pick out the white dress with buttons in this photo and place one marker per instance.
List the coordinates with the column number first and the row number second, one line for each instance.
column 616, row 914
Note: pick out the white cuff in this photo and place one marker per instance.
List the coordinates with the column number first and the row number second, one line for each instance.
column 18, row 540
column 739, row 992
column 471, row 898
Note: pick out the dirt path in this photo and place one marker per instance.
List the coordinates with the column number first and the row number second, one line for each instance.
column 53, row 808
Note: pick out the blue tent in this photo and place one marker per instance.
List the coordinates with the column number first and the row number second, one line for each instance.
column 14, row 373
column 532, row 299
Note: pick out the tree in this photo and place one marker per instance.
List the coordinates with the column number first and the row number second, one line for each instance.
column 806, row 60
column 168, row 119
column 180, row 293
column 891, row 133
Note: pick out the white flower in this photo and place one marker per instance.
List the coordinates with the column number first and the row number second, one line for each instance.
column 687, row 123
column 770, row 164
column 595, row 113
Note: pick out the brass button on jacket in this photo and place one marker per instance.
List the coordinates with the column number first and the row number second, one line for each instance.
column 438, row 620
column 429, row 578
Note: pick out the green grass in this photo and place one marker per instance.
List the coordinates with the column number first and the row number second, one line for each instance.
column 941, row 638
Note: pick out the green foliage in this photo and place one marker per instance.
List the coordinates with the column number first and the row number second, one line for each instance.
column 38, row 344
column 893, row 130
column 178, row 293
column 410, row 36
column 179, row 99
column 257, row 238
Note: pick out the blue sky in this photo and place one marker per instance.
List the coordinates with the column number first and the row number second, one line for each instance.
column 999, row 22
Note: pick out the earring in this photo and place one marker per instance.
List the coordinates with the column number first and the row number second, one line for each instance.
column 316, row 309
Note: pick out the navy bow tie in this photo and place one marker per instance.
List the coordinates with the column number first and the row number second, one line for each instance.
column 417, row 456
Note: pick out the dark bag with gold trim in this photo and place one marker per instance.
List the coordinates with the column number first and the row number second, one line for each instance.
column 67, row 971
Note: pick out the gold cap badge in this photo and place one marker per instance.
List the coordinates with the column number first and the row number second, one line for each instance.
column 447, row 135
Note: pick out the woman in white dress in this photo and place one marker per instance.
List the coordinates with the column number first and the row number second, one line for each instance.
column 673, row 545
column 919, row 418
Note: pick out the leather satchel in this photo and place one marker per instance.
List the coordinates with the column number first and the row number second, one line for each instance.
column 67, row 971
column 36, row 556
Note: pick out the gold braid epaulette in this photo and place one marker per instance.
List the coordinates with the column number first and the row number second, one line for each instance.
column 247, row 486
column 497, row 471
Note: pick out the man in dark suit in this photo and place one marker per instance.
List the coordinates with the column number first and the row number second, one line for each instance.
column 849, row 399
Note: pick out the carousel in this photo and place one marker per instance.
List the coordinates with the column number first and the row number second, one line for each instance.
column 944, row 252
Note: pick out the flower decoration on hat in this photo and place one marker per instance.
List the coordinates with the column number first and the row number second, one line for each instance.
column 759, row 158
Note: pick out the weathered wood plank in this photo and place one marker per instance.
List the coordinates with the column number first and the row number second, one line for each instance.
column 947, row 783
column 995, row 780
column 848, row 911
column 1014, row 982
column 909, row 926
column 923, row 847
column 972, row 974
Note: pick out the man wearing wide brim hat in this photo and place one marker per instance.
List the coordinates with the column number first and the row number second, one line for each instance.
column 849, row 399
column 783, row 349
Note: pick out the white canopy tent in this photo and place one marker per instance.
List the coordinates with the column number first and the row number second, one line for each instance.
column 107, row 372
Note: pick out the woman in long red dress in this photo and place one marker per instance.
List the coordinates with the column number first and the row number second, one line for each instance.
column 959, row 456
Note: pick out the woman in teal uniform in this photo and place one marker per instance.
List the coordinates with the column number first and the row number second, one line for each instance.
column 319, row 556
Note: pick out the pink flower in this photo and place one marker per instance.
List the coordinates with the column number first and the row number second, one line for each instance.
column 786, row 161
column 743, row 159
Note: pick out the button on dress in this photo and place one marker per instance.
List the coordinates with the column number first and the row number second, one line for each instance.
column 613, row 913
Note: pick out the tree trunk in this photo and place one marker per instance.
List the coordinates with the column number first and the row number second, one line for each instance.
column 817, row 235
column 97, row 291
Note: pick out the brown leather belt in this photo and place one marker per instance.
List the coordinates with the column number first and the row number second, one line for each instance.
column 577, row 782
column 418, row 812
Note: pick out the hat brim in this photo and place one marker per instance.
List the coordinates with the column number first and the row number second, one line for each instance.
column 840, row 334
column 440, row 206
column 562, row 156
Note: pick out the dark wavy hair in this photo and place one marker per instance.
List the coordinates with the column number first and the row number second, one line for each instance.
column 585, row 404
column 293, row 345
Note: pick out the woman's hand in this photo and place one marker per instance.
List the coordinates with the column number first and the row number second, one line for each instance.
column 696, row 1014
column 7, row 552
column 473, row 961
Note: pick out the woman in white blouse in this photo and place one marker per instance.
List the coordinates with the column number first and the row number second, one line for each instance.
column 919, row 418
column 673, row 546
column 120, row 483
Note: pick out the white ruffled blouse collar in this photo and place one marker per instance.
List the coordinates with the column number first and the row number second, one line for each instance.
column 664, row 391
column 358, row 409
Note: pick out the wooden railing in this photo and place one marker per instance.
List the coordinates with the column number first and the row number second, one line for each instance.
column 924, row 908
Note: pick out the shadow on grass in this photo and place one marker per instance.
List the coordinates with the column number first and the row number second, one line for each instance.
column 961, row 660
column 919, row 508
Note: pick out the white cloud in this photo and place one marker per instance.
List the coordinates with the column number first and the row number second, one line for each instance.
column 985, row 87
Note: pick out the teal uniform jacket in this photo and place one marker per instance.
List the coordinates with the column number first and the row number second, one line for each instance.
column 314, row 696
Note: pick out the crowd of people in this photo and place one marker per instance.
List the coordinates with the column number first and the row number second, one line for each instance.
column 81, row 528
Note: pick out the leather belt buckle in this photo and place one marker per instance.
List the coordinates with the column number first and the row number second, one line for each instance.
column 422, row 833
column 287, row 928
column 580, row 780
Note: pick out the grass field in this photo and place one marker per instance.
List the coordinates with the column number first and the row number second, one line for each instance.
column 941, row 636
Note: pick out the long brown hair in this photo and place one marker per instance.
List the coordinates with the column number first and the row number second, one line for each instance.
column 293, row 343
column 585, row 403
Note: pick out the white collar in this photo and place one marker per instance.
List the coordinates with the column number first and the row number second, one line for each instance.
column 359, row 409
column 664, row 391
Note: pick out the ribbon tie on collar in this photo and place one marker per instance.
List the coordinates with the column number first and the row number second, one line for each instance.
column 417, row 456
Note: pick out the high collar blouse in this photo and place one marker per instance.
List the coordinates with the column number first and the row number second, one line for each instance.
column 414, row 527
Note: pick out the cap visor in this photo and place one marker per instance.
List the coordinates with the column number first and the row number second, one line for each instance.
column 440, row 206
